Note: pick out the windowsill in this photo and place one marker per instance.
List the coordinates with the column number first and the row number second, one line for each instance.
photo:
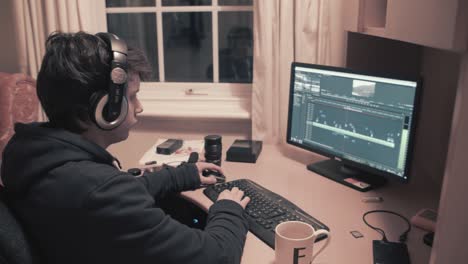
column 175, row 108
column 206, row 101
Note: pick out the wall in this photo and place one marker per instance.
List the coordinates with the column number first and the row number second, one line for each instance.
column 8, row 55
column 452, row 230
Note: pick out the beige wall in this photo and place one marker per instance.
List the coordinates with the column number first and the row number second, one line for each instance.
column 8, row 54
column 452, row 230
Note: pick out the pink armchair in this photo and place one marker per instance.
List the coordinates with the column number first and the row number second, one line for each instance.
column 18, row 103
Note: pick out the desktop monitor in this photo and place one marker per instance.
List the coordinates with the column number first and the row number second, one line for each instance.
column 364, row 122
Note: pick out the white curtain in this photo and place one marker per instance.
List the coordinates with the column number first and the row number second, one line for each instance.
column 313, row 31
column 284, row 31
column 273, row 54
column 36, row 19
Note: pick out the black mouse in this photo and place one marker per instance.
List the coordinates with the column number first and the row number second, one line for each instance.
column 220, row 178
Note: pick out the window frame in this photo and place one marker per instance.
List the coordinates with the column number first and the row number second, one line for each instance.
column 173, row 100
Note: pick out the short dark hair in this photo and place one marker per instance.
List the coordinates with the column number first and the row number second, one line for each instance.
column 75, row 66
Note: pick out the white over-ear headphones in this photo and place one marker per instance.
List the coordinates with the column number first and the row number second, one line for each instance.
column 109, row 107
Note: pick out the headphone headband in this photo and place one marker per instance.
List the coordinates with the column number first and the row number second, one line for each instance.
column 118, row 48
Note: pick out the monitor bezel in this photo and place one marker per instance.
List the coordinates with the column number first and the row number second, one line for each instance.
column 345, row 161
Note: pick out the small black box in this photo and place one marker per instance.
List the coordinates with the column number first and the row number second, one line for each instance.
column 169, row 146
column 244, row 151
column 390, row 252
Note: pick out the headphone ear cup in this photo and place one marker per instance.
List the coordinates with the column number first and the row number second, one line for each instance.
column 93, row 102
column 98, row 104
column 105, row 103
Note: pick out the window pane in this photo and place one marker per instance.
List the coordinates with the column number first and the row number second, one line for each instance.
column 138, row 30
column 185, row 2
column 235, row 47
column 188, row 47
column 235, row 2
column 126, row 3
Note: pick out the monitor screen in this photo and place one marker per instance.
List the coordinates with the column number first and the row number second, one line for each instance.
column 366, row 121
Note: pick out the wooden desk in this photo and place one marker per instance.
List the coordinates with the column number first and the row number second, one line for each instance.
column 338, row 206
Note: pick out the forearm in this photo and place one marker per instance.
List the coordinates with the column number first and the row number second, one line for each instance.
column 171, row 180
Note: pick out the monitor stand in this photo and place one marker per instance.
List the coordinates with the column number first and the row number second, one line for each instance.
column 339, row 172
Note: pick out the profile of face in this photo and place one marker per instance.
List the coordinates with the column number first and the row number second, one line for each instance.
column 121, row 132
column 105, row 138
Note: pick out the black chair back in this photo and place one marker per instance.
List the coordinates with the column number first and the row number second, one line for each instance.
column 14, row 247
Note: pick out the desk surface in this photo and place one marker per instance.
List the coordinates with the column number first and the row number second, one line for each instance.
column 336, row 205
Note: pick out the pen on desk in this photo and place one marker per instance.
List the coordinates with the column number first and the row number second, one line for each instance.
column 152, row 162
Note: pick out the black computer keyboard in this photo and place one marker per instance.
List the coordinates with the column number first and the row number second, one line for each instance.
column 266, row 209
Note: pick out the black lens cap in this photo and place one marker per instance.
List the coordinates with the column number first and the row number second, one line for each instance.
column 213, row 140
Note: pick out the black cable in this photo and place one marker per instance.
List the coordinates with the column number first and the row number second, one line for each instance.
column 403, row 236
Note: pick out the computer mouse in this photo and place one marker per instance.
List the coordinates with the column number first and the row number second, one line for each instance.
column 134, row 171
column 220, row 178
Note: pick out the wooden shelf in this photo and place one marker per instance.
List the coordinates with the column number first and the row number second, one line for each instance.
column 441, row 24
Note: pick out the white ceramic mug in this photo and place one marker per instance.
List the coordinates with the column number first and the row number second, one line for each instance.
column 294, row 242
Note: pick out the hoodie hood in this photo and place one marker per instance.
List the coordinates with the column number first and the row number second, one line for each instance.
column 35, row 149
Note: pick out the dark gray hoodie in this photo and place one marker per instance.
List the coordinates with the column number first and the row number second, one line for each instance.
column 78, row 208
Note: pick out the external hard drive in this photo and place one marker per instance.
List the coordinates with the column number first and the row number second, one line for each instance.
column 390, row 253
column 244, row 151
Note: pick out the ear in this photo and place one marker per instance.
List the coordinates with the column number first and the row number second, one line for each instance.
column 84, row 124
column 83, row 120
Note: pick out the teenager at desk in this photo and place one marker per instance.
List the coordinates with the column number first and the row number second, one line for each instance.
column 66, row 189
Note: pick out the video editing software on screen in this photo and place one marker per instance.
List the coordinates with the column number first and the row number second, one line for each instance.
column 361, row 118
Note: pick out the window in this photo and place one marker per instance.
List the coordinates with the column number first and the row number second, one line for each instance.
column 200, row 52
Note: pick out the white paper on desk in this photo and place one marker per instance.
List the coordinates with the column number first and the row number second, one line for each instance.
column 175, row 158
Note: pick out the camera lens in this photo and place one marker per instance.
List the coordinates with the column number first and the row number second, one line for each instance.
column 213, row 149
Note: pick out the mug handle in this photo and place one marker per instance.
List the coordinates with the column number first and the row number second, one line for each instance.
column 316, row 234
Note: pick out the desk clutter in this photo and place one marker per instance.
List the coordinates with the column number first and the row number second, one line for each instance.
column 182, row 154
column 175, row 151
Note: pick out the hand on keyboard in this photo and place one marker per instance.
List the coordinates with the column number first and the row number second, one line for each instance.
column 235, row 195
column 266, row 209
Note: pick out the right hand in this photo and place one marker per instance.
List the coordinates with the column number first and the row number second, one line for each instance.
column 201, row 166
column 235, row 195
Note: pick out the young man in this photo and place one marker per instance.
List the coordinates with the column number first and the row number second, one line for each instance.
column 74, row 203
